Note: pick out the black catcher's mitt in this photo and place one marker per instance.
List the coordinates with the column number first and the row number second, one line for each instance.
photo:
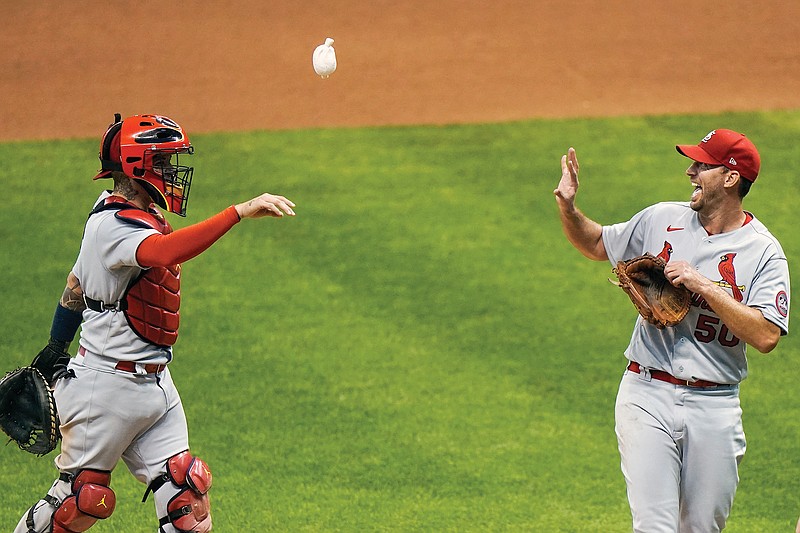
column 28, row 412
column 658, row 301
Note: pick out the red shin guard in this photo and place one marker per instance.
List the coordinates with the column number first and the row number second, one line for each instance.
column 189, row 510
column 91, row 500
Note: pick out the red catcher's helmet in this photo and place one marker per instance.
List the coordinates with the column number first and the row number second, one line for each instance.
column 146, row 148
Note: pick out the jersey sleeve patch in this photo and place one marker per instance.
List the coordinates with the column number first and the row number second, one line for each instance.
column 782, row 304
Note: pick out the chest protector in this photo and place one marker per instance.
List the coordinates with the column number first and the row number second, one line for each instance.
column 152, row 300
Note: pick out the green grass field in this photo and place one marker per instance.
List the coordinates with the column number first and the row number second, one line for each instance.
column 420, row 349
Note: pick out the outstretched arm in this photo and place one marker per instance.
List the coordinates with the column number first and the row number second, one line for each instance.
column 585, row 234
column 164, row 250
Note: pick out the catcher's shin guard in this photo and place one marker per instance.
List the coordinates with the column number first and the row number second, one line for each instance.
column 181, row 495
column 91, row 500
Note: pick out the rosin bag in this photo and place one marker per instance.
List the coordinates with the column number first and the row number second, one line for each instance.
column 324, row 59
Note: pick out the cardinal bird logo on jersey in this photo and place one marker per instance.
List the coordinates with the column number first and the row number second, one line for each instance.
column 728, row 273
column 666, row 252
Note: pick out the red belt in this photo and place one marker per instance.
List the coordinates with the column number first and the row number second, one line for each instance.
column 130, row 366
column 669, row 378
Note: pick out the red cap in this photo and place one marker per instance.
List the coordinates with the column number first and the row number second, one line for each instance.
column 726, row 147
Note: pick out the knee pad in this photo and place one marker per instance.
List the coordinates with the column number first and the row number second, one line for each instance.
column 91, row 500
column 184, row 487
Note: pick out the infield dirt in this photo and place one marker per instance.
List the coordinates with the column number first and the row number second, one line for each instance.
column 66, row 67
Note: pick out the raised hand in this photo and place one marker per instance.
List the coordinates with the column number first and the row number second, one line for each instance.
column 568, row 186
column 266, row 205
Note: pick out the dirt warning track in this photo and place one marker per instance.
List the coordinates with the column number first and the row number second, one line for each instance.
column 65, row 68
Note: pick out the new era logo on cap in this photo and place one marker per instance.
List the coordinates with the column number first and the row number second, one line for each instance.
column 726, row 147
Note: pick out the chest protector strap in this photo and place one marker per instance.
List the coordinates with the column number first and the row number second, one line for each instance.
column 151, row 302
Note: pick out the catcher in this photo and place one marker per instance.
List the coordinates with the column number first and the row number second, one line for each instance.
column 116, row 398
column 708, row 279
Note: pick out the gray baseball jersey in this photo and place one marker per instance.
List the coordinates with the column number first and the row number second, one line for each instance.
column 105, row 267
column 748, row 262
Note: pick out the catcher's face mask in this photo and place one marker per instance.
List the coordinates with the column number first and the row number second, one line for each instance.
column 171, row 179
column 150, row 146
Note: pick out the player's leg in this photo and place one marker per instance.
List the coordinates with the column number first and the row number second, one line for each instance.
column 74, row 400
column 39, row 516
column 178, row 480
column 650, row 458
column 715, row 445
column 181, row 495
column 72, row 505
column 100, row 413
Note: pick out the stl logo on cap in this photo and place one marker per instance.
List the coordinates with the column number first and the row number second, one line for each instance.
column 708, row 137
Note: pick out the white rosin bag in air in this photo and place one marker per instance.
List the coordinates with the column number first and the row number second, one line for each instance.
column 324, row 59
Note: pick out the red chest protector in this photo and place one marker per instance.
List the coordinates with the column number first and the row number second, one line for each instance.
column 152, row 300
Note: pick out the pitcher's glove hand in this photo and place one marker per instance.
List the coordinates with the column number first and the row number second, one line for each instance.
column 657, row 300
column 28, row 411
